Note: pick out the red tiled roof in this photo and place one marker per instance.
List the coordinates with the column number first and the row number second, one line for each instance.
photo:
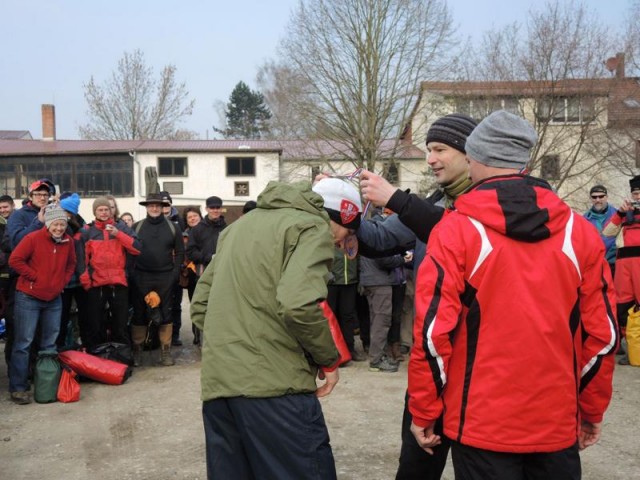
column 595, row 86
column 290, row 149
column 623, row 93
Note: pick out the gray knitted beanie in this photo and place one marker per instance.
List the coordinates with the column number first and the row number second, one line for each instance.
column 52, row 213
column 502, row 140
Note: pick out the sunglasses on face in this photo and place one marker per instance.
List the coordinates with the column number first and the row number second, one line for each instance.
column 597, row 197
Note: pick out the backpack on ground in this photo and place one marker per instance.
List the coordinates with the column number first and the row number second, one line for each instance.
column 46, row 377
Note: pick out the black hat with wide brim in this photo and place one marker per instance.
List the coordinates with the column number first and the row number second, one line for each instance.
column 155, row 198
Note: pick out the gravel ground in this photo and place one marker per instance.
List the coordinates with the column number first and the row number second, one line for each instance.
column 151, row 427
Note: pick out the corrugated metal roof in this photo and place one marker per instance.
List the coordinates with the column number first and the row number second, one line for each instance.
column 290, row 149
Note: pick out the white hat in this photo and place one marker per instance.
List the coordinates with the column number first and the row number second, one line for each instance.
column 341, row 201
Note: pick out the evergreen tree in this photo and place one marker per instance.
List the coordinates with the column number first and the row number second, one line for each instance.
column 247, row 116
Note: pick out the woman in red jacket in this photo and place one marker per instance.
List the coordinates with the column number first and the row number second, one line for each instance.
column 45, row 260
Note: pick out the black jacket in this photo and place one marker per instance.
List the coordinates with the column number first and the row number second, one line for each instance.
column 162, row 247
column 203, row 240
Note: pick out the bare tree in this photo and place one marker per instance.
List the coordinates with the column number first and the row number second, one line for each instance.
column 552, row 71
column 631, row 38
column 131, row 104
column 357, row 65
column 284, row 93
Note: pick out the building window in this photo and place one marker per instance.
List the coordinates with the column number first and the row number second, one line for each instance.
column 241, row 189
column 550, row 167
column 89, row 175
column 390, row 173
column 480, row 107
column 567, row 110
column 172, row 166
column 237, row 166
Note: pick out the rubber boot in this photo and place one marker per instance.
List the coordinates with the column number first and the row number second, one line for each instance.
column 164, row 333
column 138, row 334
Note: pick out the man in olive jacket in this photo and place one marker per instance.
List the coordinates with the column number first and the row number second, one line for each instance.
column 265, row 335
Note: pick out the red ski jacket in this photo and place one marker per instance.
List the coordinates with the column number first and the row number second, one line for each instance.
column 514, row 332
column 104, row 256
column 629, row 242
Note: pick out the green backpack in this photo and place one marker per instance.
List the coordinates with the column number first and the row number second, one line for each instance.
column 46, row 377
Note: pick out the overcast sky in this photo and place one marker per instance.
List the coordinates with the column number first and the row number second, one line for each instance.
column 50, row 48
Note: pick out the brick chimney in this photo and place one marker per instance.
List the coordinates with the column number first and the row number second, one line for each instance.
column 620, row 65
column 48, row 122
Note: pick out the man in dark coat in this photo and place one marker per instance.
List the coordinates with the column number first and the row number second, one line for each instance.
column 203, row 238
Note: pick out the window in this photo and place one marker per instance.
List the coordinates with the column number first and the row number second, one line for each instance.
column 550, row 167
column 480, row 107
column 89, row 175
column 172, row 166
column 390, row 173
column 237, row 166
column 567, row 110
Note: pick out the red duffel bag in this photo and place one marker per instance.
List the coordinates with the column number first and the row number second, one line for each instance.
column 336, row 333
column 96, row 368
column 68, row 388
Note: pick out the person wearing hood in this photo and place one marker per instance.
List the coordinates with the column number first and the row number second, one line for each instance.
column 44, row 261
column 515, row 330
column 266, row 337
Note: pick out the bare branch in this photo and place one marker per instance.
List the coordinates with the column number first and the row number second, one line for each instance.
column 132, row 105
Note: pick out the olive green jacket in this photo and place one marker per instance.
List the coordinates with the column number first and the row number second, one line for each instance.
column 257, row 301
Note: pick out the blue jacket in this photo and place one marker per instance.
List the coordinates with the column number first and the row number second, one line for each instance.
column 21, row 223
column 599, row 220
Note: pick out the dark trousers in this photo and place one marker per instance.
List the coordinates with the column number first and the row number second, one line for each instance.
column 471, row 463
column 176, row 310
column 415, row 463
column 362, row 307
column 279, row 438
column 397, row 299
column 144, row 282
column 9, row 318
column 68, row 295
column 342, row 300
column 98, row 322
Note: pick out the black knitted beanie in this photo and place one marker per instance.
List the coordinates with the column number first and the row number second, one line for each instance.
column 452, row 130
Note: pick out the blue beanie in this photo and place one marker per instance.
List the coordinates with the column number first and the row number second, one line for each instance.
column 71, row 203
